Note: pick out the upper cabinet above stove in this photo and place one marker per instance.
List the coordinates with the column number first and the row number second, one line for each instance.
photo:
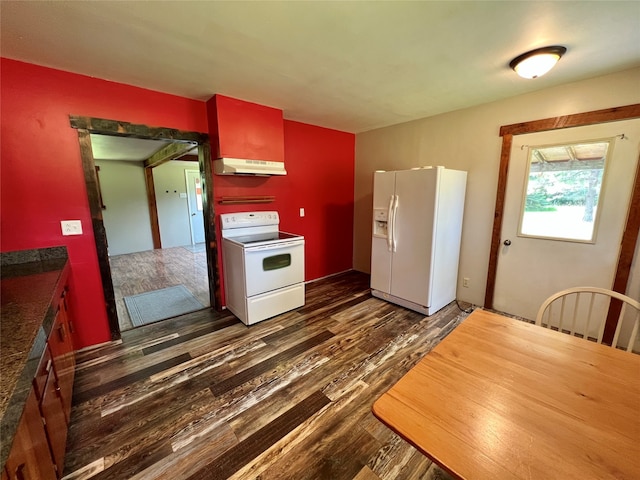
column 244, row 130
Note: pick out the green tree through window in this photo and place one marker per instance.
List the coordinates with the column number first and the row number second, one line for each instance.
column 563, row 190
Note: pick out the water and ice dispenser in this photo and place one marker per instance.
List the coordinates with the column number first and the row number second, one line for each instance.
column 380, row 222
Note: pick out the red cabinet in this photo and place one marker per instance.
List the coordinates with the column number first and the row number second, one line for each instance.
column 242, row 129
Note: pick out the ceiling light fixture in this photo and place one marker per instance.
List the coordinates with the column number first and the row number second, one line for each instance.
column 537, row 62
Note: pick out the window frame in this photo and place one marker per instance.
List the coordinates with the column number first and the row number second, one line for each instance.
column 594, row 232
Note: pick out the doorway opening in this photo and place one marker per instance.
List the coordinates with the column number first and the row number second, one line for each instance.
column 141, row 264
column 153, row 253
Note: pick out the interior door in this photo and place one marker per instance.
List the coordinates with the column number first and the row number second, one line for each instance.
column 531, row 268
column 194, row 197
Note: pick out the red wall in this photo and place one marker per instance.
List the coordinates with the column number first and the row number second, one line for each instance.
column 320, row 171
column 41, row 169
column 42, row 182
column 320, row 179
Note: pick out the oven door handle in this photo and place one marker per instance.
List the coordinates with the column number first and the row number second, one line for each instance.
column 275, row 246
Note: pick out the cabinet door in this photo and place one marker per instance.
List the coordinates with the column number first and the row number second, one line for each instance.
column 248, row 130
column 55, row 421
column 61, row 345
column 29, row 457
column 44, row 367
column 69, row 318
column 66, row 382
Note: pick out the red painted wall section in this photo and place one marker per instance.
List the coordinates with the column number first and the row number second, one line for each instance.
column 246, row 130
column 320, row 167
column 42, row 182
column 41, row 176
column 320, row 178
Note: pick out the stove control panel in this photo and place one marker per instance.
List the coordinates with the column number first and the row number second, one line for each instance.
column 248, row 219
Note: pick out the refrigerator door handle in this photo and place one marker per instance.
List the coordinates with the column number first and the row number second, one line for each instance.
column 393, row 227
column 390, row 224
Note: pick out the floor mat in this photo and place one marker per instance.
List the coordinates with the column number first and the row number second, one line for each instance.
column 160, row 304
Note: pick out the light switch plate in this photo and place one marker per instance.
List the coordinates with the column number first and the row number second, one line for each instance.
column 71, row 227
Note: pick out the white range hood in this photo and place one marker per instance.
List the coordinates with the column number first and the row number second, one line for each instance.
column 242, row 166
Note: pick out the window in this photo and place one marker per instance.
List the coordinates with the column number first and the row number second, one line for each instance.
column 563, row 190
column 276, row 262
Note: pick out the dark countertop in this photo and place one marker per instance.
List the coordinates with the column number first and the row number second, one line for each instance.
column 30, row 284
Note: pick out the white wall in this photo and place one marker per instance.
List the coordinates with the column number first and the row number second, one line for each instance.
column 173, row 211
column 469, row 140
column 126, row 218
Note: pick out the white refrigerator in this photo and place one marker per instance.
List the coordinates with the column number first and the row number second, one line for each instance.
column 417, row 225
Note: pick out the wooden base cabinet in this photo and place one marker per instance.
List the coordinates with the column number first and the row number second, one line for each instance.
column 55, row 421
column 29, row 458
column 38, row 448
column 62, row 352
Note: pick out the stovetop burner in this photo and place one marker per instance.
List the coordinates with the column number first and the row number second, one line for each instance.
column 263, row 237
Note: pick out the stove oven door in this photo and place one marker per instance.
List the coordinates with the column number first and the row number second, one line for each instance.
column 274, row 266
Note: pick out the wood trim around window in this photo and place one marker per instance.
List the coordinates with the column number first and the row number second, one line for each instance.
column 630, row 236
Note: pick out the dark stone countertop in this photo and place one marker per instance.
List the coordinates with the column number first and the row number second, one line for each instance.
column 30, row 282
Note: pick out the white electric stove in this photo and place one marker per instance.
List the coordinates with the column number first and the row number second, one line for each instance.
column 263, row 267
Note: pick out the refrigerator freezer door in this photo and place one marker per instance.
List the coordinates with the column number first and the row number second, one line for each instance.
column 412, row 264
column 383, row 190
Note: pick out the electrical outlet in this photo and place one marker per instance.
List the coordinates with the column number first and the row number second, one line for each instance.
column 302, row 212
column 465, row 282
column 71, row 227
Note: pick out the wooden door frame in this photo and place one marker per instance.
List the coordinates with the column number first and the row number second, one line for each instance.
column 87, row 126
column 632, row 226
column 191, row 216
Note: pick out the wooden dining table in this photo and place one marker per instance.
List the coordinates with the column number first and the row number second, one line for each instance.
column 500, row 398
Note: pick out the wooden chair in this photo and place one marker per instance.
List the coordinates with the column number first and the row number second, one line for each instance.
column 567, row 311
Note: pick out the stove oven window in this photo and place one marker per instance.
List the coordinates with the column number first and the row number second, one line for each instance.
column 276, row 262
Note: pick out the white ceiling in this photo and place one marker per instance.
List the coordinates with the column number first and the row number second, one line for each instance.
column 106, row 147
column 352, row 66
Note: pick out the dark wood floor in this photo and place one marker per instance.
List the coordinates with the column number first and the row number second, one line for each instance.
column 204, row 397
